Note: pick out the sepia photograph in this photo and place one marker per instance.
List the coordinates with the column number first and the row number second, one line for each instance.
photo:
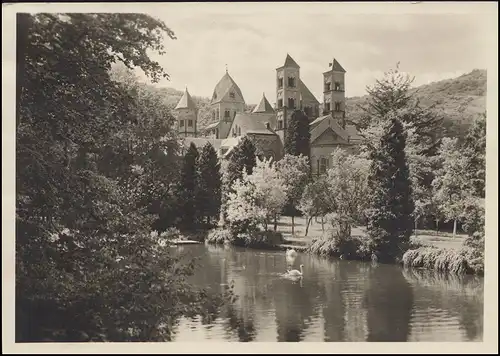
column 265, row 172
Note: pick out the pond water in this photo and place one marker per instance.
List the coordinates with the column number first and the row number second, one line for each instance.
column 336, row 300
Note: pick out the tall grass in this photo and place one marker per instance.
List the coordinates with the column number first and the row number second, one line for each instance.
column 442, row 260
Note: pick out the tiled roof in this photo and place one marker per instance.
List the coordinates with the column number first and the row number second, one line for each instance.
column 264, row 106
column 186, row 102
column 253, row 121
column 222, row 88
column 306, row 93
column 213, row 125
column 289, row 62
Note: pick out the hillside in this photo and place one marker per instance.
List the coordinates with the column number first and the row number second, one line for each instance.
column 458, row 100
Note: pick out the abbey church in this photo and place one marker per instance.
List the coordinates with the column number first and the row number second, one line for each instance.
column 266, row 125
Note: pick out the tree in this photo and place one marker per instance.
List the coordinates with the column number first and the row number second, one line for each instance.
column 450, row 184
column 474, row 148
column 390, row 204
column 423, row 127
column 313, row 202
column 188, row 190
column 210, row 182
column 257, row 198
column 86, row 263
column 297, row 135
column 242, row 159
column 295, row 171
column 347, row 191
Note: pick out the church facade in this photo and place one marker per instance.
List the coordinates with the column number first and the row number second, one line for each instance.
column 266, row 125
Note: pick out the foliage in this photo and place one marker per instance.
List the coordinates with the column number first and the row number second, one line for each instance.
column 209, row 186
column 474, row 148
column 295, row 171
column 94, row 156
column 242, row 159
column 297, row 135
column 259, row 239
column 390, row 203
column 257, row 198
column 188, row 190
column 423, row 127
column 347, row 191
column 441, row 260
column 219, row 236
column 336, row 245
column 313, row 201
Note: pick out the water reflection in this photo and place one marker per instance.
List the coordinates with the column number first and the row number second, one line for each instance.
column 389, row 302
column 334, row 301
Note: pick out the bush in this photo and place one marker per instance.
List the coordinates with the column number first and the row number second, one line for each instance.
column 352, row 247
column 219, row 236
column 171, row 234
column 259, row 239
column 441, row 260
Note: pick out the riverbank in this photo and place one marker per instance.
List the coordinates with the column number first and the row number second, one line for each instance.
column 439, row 251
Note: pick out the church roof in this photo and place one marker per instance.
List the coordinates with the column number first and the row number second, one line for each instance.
column 306, row 94
column 223, row 87
column 254, row 122
column 264, row 106
column 186, row 102
column 289, row 62
column 336, row 67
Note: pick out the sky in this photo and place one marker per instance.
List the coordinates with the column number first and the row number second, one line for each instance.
column 253, row 39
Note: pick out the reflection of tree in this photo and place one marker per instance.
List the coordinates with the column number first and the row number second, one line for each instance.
column 389, row 302
column 333, row 312
column 244, row 327
column 294, row 305
column 457, row 295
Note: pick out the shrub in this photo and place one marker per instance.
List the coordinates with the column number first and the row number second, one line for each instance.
column 219, row 236
column 353, row 247
column 171, row 234
column 441, row 260
column 259, row 239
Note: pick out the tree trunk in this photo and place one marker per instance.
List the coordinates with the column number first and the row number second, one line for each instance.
column 322, row 225
column 307, row 225
column 275, row 223
column 293, row 226
column 454, row 228
column 416, row 222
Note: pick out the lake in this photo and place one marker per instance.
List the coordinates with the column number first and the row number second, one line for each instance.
column 336, row 300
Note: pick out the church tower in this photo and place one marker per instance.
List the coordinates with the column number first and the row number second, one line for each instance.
column 287, row 92
column 227, row 100
column 187, row 116
column 334, row 92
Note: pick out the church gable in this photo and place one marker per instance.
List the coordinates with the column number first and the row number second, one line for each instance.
column 328, row 137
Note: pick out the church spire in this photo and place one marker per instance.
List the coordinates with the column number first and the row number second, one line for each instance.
column 264, row 106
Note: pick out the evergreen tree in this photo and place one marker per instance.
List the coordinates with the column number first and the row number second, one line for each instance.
column 243, row 157
column 391, row 204
column 210, row 181
column 297, row 135
column 188, row 189
column 475, row 156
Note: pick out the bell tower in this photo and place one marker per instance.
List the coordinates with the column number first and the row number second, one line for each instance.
column 287, row 92
column 334, row 92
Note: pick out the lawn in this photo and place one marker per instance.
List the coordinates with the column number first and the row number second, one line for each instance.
column 425, row 237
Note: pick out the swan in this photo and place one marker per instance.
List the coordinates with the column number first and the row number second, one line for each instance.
column 296, row 273
column 374, row 258
column 291, row 253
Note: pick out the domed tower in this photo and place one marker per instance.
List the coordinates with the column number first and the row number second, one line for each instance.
column 187, row 116
column 227, row 100
column 334, row 92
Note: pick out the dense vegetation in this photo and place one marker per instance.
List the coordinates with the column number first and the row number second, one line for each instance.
column 97, row 165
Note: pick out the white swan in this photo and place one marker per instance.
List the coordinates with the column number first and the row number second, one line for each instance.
column 374, row 258
column 291, row 253
column 296, row 273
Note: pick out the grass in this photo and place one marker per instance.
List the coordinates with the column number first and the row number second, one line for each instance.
column 424, row 237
